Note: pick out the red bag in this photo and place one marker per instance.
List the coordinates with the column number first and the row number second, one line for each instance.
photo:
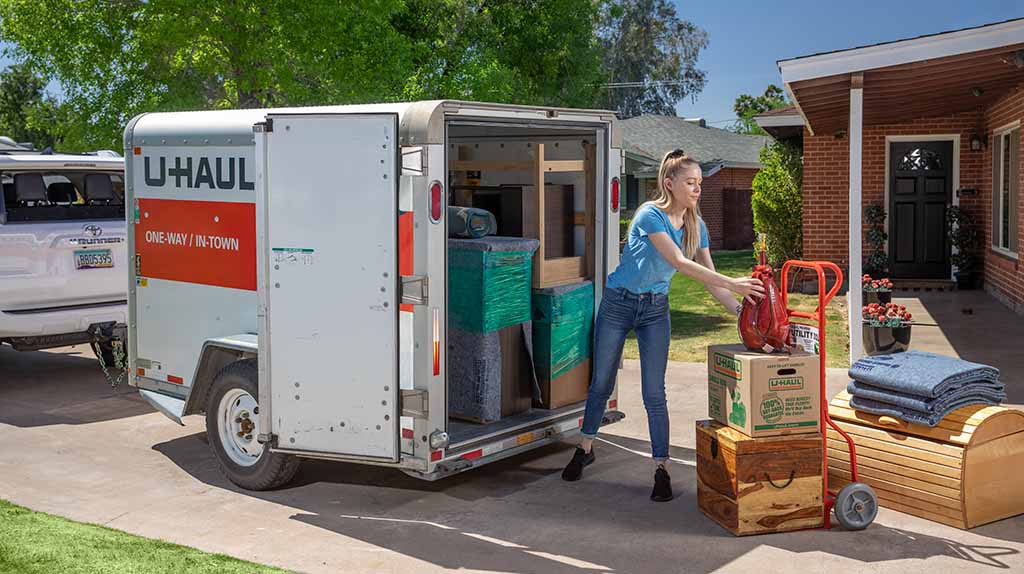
column 764, row 325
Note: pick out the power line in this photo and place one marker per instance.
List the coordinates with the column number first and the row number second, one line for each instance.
column 615, row 85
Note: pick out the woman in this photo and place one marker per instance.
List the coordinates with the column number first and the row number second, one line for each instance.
column 666, row 235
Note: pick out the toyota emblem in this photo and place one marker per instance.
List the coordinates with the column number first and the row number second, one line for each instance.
column 93, row 230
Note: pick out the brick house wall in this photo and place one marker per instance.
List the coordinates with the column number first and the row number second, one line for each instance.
column 826, row 187
column 711, row 197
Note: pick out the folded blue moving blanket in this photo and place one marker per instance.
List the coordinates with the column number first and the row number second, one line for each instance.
column 986, row 391
column 912, row 416
column 920, row 374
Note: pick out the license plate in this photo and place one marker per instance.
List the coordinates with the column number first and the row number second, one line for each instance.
column 93, row 259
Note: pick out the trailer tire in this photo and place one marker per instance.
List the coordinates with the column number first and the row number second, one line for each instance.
column 230, row 413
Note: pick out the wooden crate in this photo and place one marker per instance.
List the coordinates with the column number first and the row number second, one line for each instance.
column 757, row 486
column 965, row 472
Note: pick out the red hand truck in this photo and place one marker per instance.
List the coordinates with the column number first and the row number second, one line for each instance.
column 856, row 504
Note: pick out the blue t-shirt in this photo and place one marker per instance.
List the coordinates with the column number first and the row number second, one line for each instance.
column 642, row 269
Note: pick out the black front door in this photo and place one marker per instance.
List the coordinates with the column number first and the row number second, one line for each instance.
column 920, row 188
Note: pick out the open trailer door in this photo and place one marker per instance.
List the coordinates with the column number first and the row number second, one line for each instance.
column 329, row 284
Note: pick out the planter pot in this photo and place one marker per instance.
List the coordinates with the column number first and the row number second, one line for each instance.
column 886, row 340
column 965, row 280
column 880, row 297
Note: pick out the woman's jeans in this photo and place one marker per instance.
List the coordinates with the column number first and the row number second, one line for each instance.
column 647, row 313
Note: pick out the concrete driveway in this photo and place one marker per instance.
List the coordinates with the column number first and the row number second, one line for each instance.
column 72, row 446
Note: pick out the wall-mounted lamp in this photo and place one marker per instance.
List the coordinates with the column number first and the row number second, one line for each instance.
column 976, row 142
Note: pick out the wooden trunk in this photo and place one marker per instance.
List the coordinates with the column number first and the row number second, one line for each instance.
column 757, row 486
column 965, row 472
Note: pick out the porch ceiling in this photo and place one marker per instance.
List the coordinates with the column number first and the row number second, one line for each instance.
column 926, row 88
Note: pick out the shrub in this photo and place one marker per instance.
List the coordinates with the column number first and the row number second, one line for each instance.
column 877, row 261
column 777, row 201
column 963, row 235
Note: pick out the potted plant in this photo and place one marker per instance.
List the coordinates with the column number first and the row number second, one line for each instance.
column 876, row 290
column 886, row 328
column 963, row 238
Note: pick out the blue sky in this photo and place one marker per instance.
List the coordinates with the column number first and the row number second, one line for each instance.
column 747, row 37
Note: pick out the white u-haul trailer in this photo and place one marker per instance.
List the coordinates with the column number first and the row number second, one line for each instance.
column 289, row 275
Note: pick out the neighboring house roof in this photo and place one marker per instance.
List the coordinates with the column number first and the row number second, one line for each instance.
column 782, row 123
column 648, row 138
column 783, row 111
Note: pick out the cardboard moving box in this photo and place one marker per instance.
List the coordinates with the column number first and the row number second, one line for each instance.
column 764, row 395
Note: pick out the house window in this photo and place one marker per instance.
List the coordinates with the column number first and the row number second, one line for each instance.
column 920, row 159
column 1005, row 189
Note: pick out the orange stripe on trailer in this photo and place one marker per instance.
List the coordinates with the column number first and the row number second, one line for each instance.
column 473, row 454
column 203, row 242
column 140, row 372
column 405, row 243
column 175, row 380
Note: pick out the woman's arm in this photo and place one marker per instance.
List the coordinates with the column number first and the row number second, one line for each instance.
column 747, row 287
column 723, row 295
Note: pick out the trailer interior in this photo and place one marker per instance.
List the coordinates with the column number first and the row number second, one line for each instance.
column 540, row 182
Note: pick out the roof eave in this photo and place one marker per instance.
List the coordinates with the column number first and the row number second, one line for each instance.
column 902, row 51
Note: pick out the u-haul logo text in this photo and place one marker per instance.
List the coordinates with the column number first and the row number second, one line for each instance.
column 728, row 366
column 197, row 172
column 786, row 384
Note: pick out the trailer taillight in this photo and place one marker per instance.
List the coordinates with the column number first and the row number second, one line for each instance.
column 435, row 201
column 437, row 342
column 615, row 194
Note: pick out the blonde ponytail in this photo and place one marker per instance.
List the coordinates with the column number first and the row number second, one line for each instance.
column 674, row 162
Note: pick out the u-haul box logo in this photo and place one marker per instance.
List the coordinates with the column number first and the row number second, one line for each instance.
column 786, row 384
column 728, row 366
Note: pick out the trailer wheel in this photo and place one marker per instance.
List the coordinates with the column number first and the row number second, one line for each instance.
column 232, row 426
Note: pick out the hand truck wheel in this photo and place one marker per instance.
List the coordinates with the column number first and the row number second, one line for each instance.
column 856, row 506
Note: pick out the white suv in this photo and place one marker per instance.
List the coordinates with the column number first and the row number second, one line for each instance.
column 63, row 272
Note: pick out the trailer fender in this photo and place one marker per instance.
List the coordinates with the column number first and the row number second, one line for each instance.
column 215, row 355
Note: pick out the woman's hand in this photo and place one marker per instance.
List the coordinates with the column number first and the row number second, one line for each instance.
column 747, row 287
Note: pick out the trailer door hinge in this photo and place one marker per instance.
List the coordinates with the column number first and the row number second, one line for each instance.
column 414, row 289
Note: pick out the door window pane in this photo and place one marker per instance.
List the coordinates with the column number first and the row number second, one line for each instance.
column 920, row 159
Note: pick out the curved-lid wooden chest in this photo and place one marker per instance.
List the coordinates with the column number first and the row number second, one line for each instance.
column 965, row 472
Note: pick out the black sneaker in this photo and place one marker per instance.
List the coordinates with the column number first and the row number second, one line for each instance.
column 662, row 486
column 574, row 470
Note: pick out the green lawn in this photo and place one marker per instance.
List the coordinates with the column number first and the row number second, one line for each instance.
column 698, row 320
column 37, row 543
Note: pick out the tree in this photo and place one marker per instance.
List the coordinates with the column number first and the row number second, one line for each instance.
column 650, row 57
column 747, row 106
column 777, row 201
column 27, row 112
column 503, row 51
column 115, row 59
